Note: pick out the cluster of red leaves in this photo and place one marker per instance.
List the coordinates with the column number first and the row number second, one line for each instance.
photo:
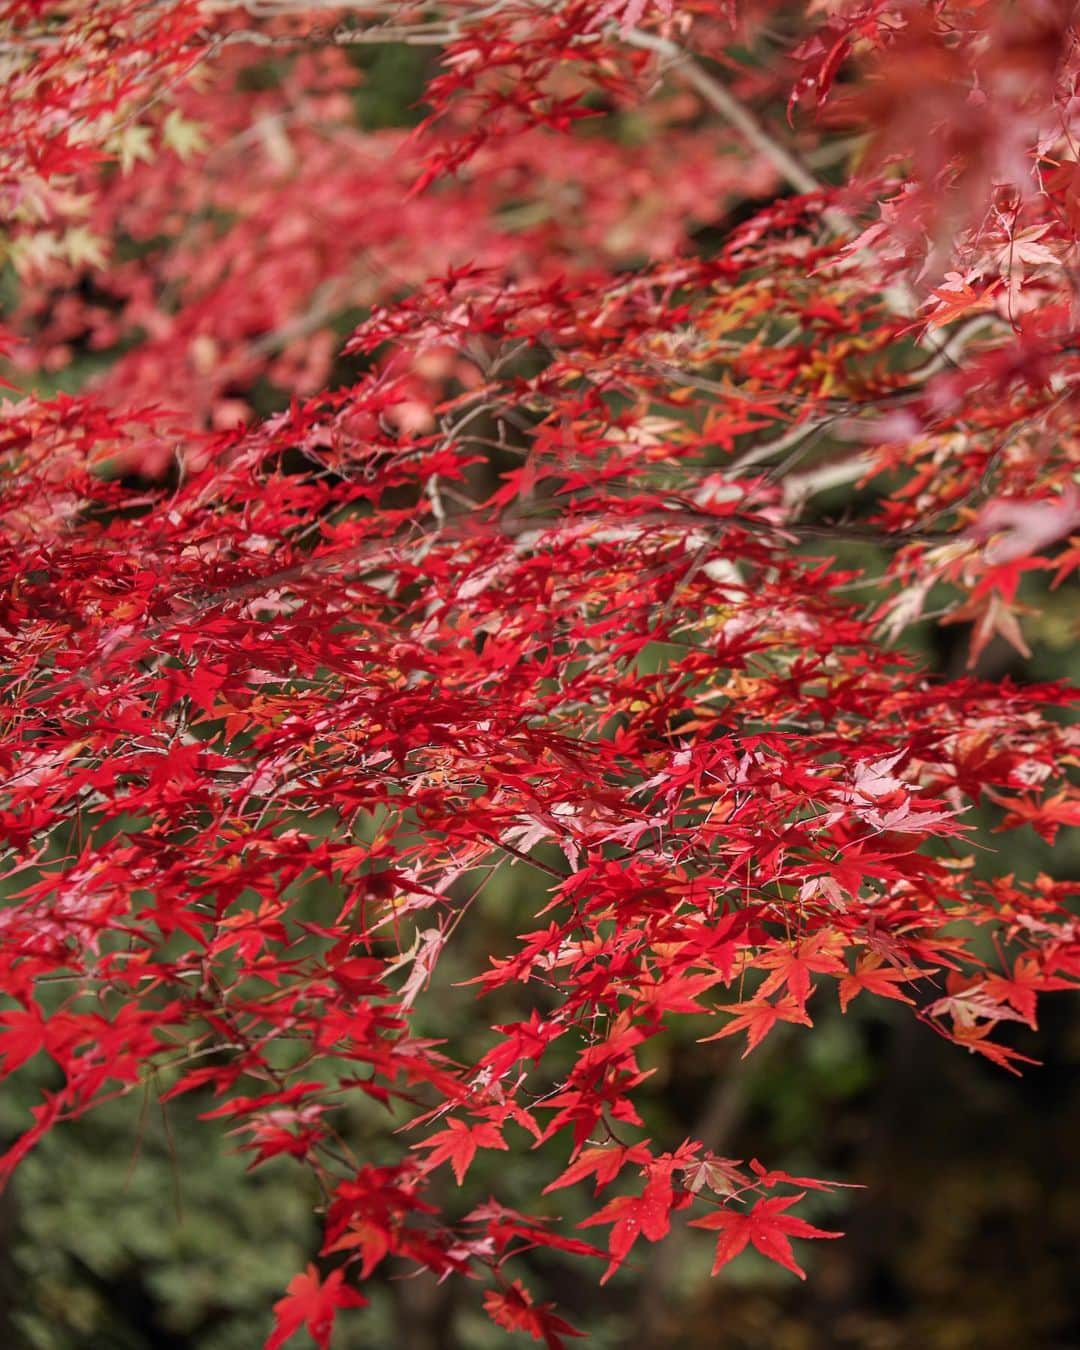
column 77, row 79
column 282, row 695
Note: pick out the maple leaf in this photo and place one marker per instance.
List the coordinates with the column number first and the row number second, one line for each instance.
column 22, row 1034
column 1064, row 178
column 1067, row 562
column 340, row 648
column 184, row 137
column 523, row 1040
column 676, row 994
column 132, row 144
column 971, row 1005
column 770, row 1178
column 604, row 1163
column 514, row 1310
column 1017, row 529
column 974, row 1039
column 1045, row 816
column 371, row 1239
column 458, row 1143
column 1021, row 988
column 721, row 1175
column 757, row 1017
column 632, row 1216
column 793, row 965
column 502, row 1225
column 422, row 955
column 312, row 1303
column 873, row 976
column 1023, row 248
column 630, row 12
column 766, row 1226
column 991, row 614
column 953, row 298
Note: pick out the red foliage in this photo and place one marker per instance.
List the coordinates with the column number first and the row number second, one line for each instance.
column 766, row 1226
column 534, row 584
column 312, row 1303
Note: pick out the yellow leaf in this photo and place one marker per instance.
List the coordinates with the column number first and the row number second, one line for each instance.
column 180, row 135
column 82, row 247
column 130, row 145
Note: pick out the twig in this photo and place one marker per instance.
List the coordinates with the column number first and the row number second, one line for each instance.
column 787, row 164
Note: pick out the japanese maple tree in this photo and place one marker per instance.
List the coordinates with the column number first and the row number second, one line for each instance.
column 305, row 640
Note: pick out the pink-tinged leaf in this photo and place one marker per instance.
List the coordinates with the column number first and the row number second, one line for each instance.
column 1015, row 528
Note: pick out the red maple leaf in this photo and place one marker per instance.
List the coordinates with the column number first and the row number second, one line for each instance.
column 284, row 692
column 514, row 1310
column 605, row 1163
column 632, row 1216
column 457, row 1144
column 873, row 976
column 757, row 1017
column 766, row 1226
column 22, row 1035
column 792, row 965
column 1022, row 987
column 312, row 1303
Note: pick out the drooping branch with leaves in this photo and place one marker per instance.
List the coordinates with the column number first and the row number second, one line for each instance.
column 384, row 508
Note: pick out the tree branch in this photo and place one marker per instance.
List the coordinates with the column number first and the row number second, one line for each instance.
column 787, row 164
